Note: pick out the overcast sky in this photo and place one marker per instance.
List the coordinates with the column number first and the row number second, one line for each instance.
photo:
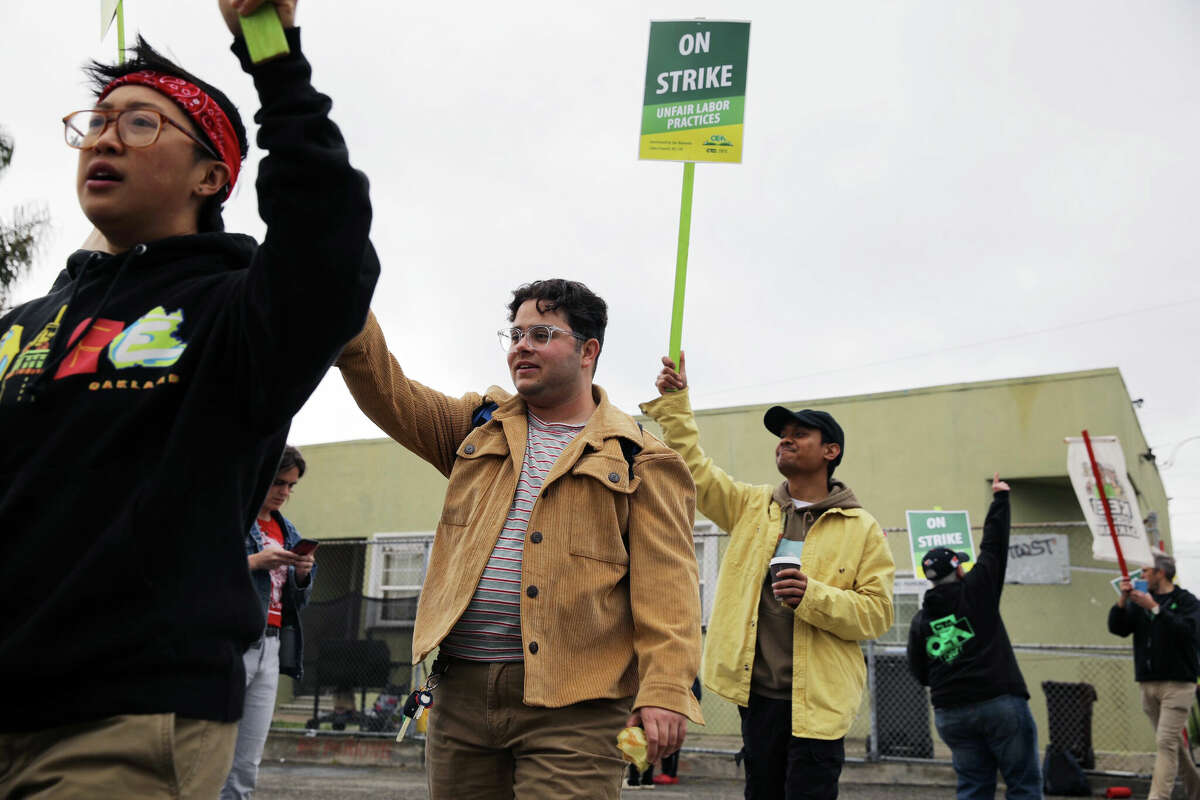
column 931, row 192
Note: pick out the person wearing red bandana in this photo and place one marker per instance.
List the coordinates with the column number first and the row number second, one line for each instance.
column 144, row 405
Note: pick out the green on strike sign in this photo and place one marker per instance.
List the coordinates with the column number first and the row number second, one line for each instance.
column 930, row 529
column 695, row 93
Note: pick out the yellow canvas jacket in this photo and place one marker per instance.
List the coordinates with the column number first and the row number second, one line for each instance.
column 609, row 618
column 849, row 596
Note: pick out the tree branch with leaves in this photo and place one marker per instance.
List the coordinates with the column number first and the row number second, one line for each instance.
column 19, row 232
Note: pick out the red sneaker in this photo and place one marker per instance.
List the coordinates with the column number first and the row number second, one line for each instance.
column 666, row 780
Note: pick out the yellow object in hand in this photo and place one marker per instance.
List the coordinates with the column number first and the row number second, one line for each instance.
column 632, row 744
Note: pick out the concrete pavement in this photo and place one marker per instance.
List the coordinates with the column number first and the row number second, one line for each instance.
column 322, row 782
column 300, row 766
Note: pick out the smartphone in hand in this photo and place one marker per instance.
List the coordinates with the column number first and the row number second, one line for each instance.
column 305, row 546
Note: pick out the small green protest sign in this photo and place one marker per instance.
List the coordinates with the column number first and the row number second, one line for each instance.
column 930, row 529
column 695, row 92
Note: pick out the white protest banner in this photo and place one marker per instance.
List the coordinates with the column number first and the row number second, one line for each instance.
column 1122, row 502
column 108, row 12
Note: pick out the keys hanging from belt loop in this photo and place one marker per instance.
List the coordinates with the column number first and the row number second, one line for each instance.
column 424, row 696
column 411, row 711
column 417, row 702
column 424, row 701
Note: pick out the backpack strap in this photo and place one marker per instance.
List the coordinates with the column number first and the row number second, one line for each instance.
column 630, row 451
column 482, row 414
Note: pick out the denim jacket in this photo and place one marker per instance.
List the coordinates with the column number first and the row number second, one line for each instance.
column 294, row 596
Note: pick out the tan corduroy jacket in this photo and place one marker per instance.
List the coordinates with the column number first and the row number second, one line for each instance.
column 607, row 620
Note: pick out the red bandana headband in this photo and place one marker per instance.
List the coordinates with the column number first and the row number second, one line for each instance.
column 199, row 106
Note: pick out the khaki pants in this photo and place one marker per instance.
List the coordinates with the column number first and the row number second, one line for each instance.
column 484, row 743
column 154, row 756
column 1167, row 704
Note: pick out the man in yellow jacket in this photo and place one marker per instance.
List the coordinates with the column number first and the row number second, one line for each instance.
column 562, row 591
column 787, row 652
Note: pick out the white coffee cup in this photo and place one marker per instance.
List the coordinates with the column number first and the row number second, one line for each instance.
column 780, row 563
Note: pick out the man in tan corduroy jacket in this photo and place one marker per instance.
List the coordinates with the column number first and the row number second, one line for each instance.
column 562, row 590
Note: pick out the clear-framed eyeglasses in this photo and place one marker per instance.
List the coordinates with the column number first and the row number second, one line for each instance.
column 136, row 128
column 536, row 336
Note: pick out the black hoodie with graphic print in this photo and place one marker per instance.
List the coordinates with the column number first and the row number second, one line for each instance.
column 144, row 404
column 957, row 643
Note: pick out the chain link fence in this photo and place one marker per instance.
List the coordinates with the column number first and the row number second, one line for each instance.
column 1083, row 698
column 357, row 630
column 357, row 670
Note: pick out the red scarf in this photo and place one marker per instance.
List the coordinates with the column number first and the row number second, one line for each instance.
column 196, row 103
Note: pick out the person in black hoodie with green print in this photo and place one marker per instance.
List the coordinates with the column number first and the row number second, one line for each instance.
column 1164, row 621
column 959, row 648
column 144, row 405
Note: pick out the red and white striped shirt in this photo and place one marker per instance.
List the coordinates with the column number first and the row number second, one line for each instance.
column 490, row 628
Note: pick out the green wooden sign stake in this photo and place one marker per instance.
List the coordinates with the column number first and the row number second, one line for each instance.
column 120, row 31
column 264, row 34
column 681, row 259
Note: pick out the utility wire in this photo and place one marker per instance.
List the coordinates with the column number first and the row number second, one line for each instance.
column 1170, row 460
column 952, row 348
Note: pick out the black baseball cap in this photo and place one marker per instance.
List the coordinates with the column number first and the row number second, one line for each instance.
column 778, row 416
column 941, row 561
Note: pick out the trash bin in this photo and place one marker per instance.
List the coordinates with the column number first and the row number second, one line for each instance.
column 901, row 710
column 1069, row 709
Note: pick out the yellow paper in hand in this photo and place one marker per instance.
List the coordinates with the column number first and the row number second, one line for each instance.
column 632, row 744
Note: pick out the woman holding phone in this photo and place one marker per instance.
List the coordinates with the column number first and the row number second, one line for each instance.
column 281, row 566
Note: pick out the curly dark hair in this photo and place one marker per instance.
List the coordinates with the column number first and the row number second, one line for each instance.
column 586, row 311
column 143, row 56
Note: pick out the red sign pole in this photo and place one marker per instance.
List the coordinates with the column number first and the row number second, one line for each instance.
column 1112, row 529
